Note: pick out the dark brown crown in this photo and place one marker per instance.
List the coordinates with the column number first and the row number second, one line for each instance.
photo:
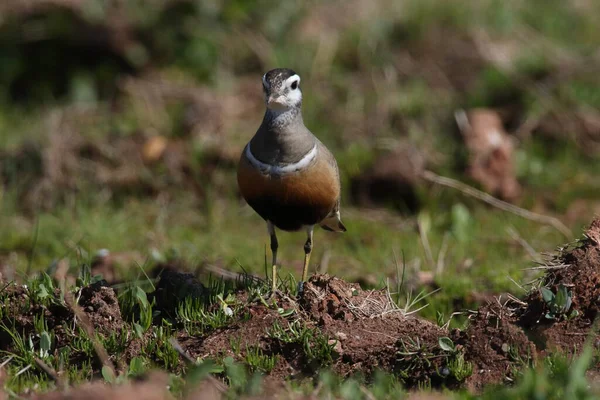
column 275, row 77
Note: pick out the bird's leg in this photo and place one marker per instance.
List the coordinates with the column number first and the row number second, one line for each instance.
column 307, row 252
column 274, row 246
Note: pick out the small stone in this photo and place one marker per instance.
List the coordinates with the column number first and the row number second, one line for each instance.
column 103, row 253
column 154, row 148
column 337, row 346
column 325, row 320
column 426, row 278
column 341, row 336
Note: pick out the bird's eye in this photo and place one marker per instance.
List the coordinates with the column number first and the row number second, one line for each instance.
column 294, row 85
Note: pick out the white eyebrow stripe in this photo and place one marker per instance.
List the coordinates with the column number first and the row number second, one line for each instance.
column 292, row 78
column 281, row 169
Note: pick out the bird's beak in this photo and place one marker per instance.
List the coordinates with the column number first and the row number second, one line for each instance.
column 276, row 103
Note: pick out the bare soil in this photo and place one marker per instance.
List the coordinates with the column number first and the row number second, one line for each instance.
column 579, row 270
column 365, row 329
column 371, row 334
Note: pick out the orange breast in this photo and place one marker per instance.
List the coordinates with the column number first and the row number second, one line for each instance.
column 292, row 200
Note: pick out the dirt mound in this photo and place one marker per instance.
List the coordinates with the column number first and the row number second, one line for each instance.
column 247, row 334
column 334, row 324
column 24, row 304
column 501, row 337
column 100, row 303
column 576, row 273
column 495, row 346
column 19, row 312
column 337, row 325
column 372, row 332
column 174, row 287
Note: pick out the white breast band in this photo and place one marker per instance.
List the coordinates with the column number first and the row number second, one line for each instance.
column 281, row 169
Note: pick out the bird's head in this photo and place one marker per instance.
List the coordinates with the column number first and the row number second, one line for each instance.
column 282, row 89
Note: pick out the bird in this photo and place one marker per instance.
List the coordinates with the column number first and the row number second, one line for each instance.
column 285, row 173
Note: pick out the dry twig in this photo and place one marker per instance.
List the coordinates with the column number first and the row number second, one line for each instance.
column 502, row 205
column 221, row 388
column 51, row 373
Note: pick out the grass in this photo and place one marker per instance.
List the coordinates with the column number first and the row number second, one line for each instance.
column 153, row 330
column 366, row 249
column 555, row 377
column 386, row 80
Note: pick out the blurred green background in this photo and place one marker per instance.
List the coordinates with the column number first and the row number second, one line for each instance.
column 121, row 123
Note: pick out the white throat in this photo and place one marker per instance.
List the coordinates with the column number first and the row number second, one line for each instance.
column 282, row 118
column 283, row 169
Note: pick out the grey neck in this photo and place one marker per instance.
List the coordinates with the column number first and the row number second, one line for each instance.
column 282, row 138
column 280, row 120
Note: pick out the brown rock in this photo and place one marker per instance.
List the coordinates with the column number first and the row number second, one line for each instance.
column 101, row 305
column 154, row 148
column 491, row 152
column 337, row 346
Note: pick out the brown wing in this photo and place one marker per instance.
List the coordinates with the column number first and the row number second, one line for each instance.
column 333, row 220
